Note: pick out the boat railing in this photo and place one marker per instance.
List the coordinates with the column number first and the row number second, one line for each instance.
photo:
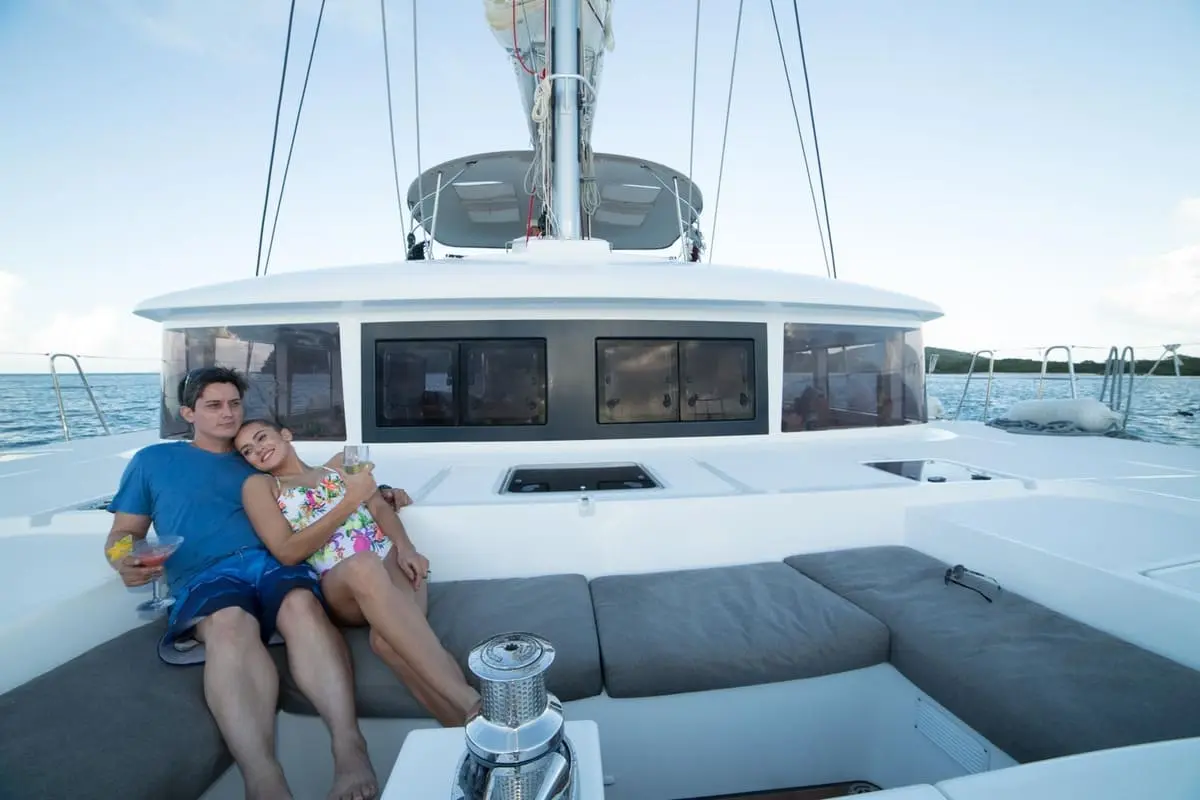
column 1070, row 351
column 1115, row 392
column 1170, row 351
column 87, row 387
column 987, row 399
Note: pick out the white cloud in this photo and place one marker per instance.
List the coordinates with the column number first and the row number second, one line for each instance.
column 1164, row 297
column 116, row 340
column 1161, row 297
column 1188, row 214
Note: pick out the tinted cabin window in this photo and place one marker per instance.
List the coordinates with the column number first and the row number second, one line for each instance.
column 416, row 383
column 505, row 382
column 718, row 380
column 689, row 380
column 639, row 380
column 460, row 383
column 851, row 377
column 294, row 373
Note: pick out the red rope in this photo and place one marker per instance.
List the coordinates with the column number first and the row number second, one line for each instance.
column 517, row 48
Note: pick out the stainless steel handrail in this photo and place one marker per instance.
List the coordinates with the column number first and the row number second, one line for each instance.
column 62, row 412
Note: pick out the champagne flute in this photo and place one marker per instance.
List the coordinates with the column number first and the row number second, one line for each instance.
column 356, row 458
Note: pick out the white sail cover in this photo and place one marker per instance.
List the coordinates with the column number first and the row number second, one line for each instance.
column 520, row 26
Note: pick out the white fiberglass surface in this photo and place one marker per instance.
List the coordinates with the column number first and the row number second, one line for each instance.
column 1105, row 531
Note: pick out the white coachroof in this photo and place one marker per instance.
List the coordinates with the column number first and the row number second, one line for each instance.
column 484, row 200
column 579, row 272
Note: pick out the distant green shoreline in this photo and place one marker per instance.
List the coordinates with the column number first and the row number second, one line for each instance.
column 956, row 362
column 950, row 362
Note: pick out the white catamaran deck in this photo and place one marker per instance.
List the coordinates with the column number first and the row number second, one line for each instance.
column 1125, row 510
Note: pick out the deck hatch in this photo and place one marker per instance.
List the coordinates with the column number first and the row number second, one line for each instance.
column 578, row 478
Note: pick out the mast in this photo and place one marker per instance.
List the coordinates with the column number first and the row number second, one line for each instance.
column 564, row 50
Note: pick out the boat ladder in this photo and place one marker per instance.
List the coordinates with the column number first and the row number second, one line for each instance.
column 58, row 390
column 1116, row 368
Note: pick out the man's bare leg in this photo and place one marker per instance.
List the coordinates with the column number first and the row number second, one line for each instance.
column 320, row 663
column 241, row 686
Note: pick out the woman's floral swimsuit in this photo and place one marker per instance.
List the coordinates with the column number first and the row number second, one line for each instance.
column 304, row 505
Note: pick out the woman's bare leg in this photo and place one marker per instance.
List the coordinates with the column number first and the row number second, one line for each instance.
column 441, row 708
column 344, row 608
column 421, row 598
column 400, row 634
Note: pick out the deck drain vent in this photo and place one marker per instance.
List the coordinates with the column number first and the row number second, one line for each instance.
column 949, row 736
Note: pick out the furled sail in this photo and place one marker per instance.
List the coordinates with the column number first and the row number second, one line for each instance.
column 522, row 28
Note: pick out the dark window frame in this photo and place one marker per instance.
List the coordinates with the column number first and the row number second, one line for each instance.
column 680, row 399
column 571, row 392
column 333, row 428
column 460, row 364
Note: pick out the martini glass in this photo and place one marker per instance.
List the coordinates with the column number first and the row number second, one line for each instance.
column 154, row 553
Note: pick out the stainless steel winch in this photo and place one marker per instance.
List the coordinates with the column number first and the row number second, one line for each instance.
column 516, row 748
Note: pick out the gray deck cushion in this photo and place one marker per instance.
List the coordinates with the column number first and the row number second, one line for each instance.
column 113, row 722
column 463, row 614
column 693, row 630
column 1036, row 683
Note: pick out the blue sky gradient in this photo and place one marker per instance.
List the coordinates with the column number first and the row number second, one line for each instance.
column 1032, row 167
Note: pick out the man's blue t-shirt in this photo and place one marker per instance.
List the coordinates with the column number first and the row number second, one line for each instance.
column 191, row 493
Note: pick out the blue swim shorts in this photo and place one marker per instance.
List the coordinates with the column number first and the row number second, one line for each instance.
column 252, row 580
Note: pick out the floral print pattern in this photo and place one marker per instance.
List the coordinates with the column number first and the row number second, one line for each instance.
column 304, row 505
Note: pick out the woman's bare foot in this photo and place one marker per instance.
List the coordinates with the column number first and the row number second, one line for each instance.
column 353, row 777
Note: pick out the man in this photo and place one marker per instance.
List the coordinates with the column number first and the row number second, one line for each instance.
column 231, row 595
column 416, row 252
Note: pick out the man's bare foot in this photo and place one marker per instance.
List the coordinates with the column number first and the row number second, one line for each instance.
column 353, row 777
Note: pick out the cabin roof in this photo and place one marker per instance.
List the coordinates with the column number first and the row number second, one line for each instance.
column 578, row 272
column 484, row 200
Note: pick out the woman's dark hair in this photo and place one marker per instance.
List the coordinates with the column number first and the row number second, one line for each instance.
column 197, row 380
column 270, row 423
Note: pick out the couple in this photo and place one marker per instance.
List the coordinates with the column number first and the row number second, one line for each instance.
column 279, row 550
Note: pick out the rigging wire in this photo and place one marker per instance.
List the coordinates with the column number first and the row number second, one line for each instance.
column 387, row 75
column 287, row 165
column 82, row 355
column 816, row 144
column 417, row 121
column 804, row 151
column 737, row 37
column 692, row 145
column 262, row 228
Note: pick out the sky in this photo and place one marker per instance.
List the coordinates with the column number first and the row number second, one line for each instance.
column 1032, row 167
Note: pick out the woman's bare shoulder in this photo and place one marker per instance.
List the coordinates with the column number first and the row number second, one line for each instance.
column 261, row 482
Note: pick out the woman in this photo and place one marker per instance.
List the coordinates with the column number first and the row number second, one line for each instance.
column 370, row 571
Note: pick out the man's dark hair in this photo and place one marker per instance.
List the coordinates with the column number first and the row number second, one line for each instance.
column 197, row 380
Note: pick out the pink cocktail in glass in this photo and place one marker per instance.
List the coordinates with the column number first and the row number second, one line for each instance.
column 154, row 553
